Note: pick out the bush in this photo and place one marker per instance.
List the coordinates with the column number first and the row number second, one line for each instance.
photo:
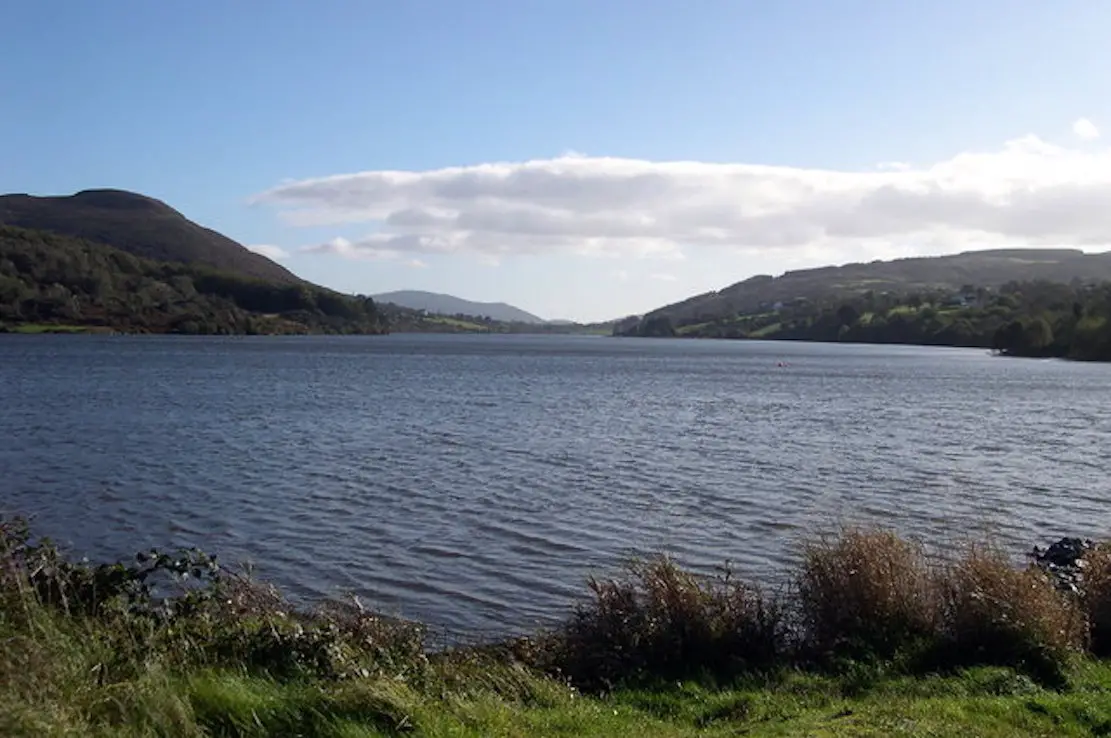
column 1096, row 597
column 659, row 621
column 998, row 614
column 191, row 613
column 866, row 594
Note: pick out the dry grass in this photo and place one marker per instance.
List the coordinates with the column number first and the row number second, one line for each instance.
column 996, row 613
column 865, row 596
column 866, row 593
column 1096, row 598
column 871, row 595
column 659, row 621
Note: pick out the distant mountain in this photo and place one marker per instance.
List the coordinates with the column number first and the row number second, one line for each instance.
column 433, row 302
column 140, row 225
column 975, row 268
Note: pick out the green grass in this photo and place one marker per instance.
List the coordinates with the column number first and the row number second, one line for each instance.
column 37, row 328
column 903, row 310
column 65, row 695
column 743, row 320
column 457, row 323
column 88, row 651
column 693, row 329
column 766, row 330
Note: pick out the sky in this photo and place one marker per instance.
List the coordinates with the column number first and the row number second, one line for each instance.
column 581, row 159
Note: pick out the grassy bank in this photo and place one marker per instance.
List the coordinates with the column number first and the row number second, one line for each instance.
column 875, row 637
column 38, row 328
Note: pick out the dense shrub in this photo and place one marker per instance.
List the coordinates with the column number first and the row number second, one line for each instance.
column 995, row 613
column 659, row 621
column 866, row 593
column 194, row 614
column 1096, row 597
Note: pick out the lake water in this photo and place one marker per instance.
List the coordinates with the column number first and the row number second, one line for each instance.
column 475, row 481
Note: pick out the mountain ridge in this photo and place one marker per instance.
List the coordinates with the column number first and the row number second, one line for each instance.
column 444, row 304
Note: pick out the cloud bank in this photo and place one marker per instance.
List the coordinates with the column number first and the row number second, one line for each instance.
column 1026, row 193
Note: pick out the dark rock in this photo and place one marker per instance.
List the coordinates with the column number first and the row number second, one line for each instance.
column 1064, row 561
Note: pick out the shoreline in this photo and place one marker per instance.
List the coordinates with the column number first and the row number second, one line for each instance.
column 872, row 630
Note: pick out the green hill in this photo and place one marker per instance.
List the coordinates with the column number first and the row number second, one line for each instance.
column 139, row 225
column 989, row 269
column 115, row 260
column 54, row 282
column 1043, row 303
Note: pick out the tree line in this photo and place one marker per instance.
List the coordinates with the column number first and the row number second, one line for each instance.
column 51, row 279
column 1035, row 319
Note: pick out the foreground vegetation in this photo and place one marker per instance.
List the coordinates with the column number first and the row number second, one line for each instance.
column 50, row 282
column 1036, row 319
column 875, row 637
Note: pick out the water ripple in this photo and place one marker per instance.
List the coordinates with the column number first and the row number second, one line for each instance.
column 474, row 482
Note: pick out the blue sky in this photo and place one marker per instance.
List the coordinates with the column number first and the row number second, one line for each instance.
column 578, row 158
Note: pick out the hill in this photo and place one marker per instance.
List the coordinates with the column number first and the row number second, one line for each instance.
column 139, row 225
column 440, row 304
column 54, row 282
column 410, row 320
column 989, row 269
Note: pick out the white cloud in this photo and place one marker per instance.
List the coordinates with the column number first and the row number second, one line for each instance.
column 1085, row 129
column 416, row 264
column 1027, row 192
column 277, row 253
column 661, row 277
column 366, row 250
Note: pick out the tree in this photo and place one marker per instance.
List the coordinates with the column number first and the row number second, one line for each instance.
column 847, row 314
column 657, row 326
column 1009, row 338
column 46, row 277
column 1038, row 335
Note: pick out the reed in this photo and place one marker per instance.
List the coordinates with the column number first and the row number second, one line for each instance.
column 996, row 613
column 657, row 621
column 866, row 594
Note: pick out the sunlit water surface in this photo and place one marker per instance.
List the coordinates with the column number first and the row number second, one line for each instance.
column 475, row 481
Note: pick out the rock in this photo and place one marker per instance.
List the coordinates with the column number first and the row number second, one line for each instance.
column 1064, row 561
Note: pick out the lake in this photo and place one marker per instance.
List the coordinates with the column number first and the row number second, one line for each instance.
column 474, row 482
